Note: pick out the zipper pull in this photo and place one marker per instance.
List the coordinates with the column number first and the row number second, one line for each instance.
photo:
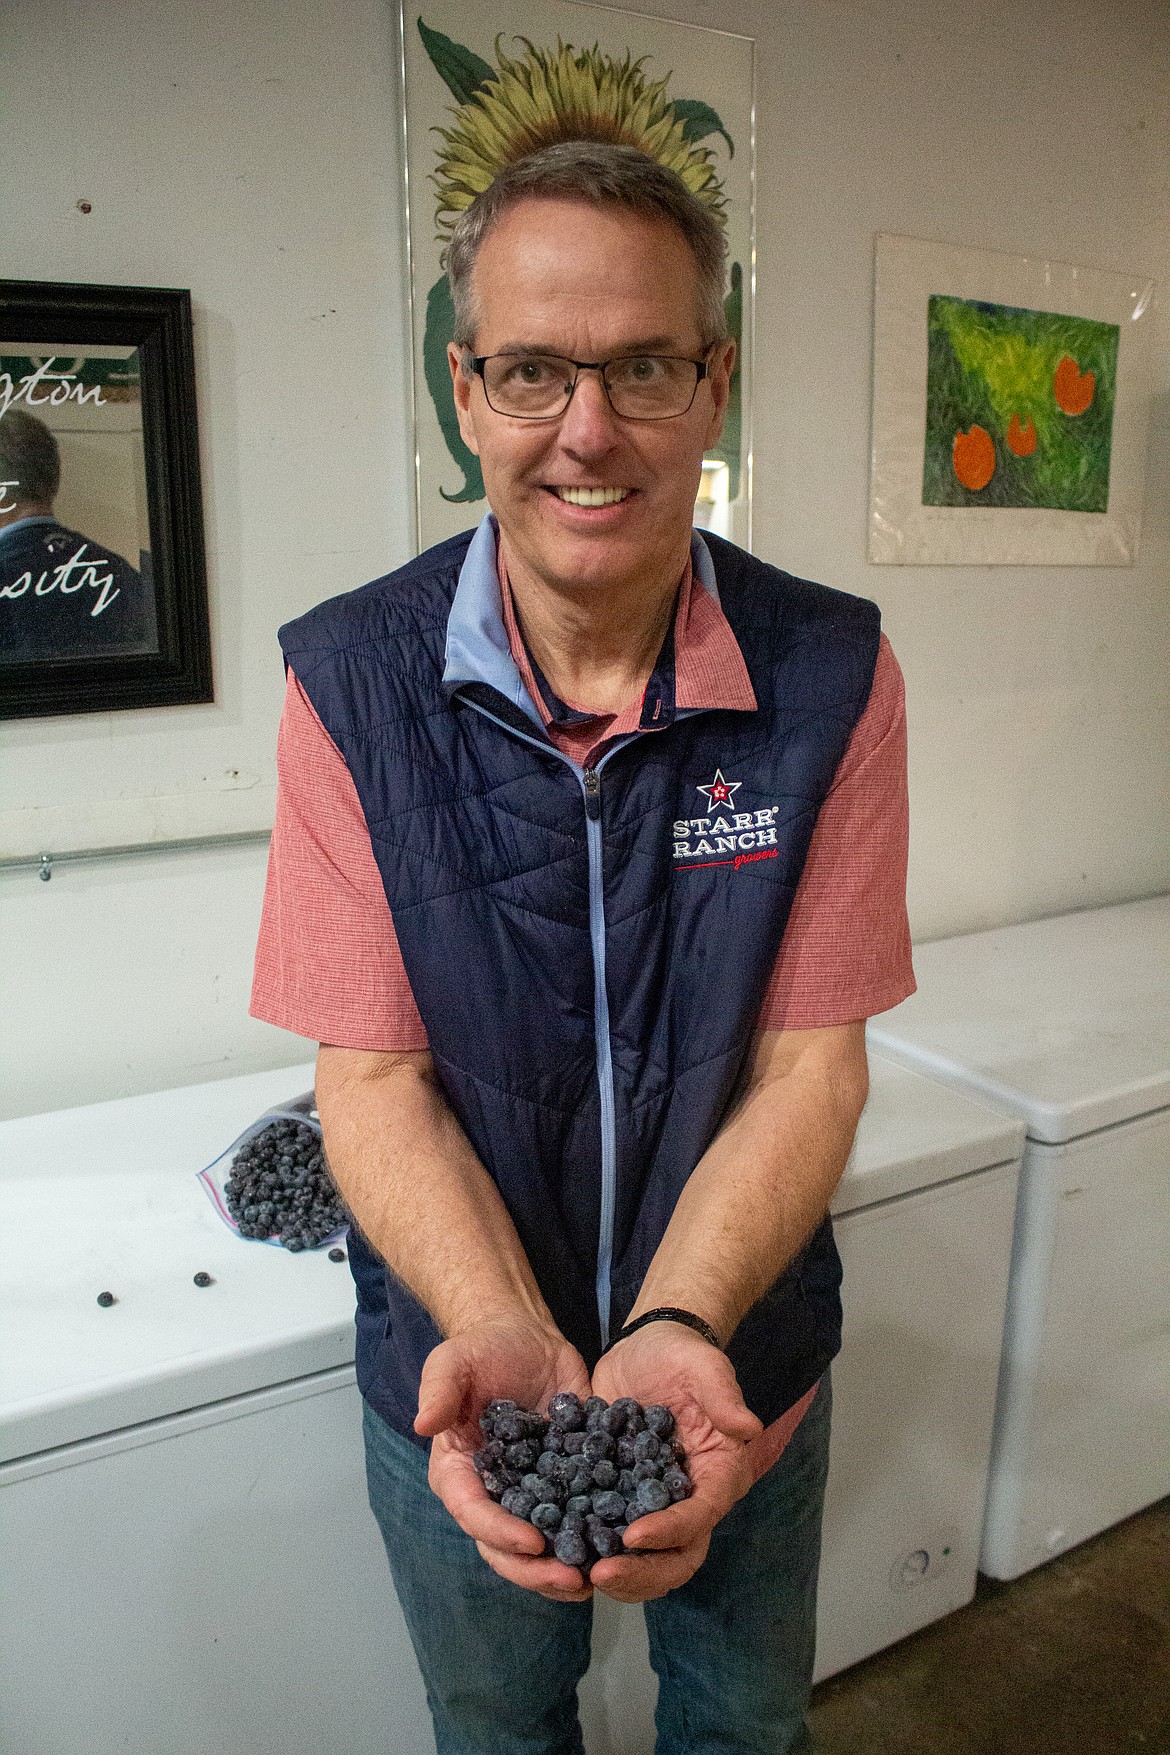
column 592, row 782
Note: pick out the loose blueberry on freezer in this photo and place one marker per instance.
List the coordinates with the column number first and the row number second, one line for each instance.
column 653, row 1495
column 105, row 1299
column 202, row 1279
column 337, row 1255
column 604, row 1474
column 545, row 1516
column 569, row 1547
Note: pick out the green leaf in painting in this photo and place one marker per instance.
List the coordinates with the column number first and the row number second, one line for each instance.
column 440, row 329
column 700, row 121
column 462, row 70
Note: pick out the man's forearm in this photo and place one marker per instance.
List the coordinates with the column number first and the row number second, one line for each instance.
column 766, row 1180
column 409, row 1176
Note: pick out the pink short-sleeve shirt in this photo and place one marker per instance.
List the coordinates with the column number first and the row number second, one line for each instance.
column 328, row 964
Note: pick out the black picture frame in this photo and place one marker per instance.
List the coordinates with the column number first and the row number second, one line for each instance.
column 157, row 322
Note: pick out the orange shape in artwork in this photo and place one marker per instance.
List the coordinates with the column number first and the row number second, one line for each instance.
column 974, row 458
column 1073, row 388
column 1021, row 439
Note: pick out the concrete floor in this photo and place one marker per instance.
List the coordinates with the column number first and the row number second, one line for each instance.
column 1073, row 1659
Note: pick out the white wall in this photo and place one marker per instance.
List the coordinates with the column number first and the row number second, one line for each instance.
column 248, row 150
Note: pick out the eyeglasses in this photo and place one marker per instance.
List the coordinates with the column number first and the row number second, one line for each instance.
column 538, row 386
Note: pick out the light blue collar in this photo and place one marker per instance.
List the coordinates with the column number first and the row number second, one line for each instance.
column 477, row 640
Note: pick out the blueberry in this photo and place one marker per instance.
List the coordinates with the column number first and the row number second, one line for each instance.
column 337, row 1255
column 566, row 1411
column 569, row 1547
column 627, row 1483
column 548, row 1464
column 202, row 1279
column 492, row 1482
column 613, row 1420
column 647, row 1470
column 646, row 1447
column 574, row 1443
column 607, row 1542
column 596, row 1446
column 509, row 1427
column 677, row 1483
column 594, row 1405
column 532, row 1424
column 533, row 1484
column 581, row 1481
column 610, row 1507
column 579, row 1504
column 105, row 1299
column 523, row 1454
column 545, row 1516
column 573, row 1520
column 518, row 1502
column 627, row 1413
column 554, row 1440
column 604, row 1474
column 653, row 1495
column 660, row 1420
column 625, row 1451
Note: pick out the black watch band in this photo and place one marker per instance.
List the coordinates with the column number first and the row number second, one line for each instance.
column 667, row 1313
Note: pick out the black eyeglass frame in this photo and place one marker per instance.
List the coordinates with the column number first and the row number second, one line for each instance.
column 477, row 362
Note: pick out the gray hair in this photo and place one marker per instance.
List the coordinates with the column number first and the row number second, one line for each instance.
column 29, row 456
column 605, row 175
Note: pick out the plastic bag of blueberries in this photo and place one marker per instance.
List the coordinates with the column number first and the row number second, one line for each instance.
column 272, row 1184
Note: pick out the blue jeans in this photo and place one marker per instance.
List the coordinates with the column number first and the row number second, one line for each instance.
column 732, row 1648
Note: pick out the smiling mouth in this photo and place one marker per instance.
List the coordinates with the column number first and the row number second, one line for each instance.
column 591, row 496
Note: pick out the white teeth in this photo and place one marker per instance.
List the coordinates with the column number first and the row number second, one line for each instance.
column 592, row 496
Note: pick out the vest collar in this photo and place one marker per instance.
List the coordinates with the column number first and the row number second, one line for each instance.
column 477, row 649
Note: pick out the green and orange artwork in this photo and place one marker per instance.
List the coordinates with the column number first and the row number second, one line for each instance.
column 1019, row 407
column 503, row 112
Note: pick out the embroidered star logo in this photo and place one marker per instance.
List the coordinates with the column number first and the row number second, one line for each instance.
column 720, row 791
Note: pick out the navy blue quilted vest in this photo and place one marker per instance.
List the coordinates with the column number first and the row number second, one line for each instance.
column 589, row 949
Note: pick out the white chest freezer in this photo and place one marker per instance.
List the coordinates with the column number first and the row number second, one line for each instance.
column 923, row 1219
column 1065, row 1023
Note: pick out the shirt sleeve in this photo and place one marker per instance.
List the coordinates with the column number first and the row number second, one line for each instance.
column 846, row 952
column 327, row 964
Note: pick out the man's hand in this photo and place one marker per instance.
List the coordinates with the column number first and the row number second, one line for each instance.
column 665, row 1362
column 511, row 1357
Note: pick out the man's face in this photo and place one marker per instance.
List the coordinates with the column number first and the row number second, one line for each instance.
column 588, row 283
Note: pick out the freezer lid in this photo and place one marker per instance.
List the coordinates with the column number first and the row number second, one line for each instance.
column 106, row 1198
column 915, row 1133
column 1065, row 1022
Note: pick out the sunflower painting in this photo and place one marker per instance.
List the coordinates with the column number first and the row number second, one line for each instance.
column 488, row 85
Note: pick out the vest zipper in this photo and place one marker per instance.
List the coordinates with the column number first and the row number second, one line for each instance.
column 590, row 783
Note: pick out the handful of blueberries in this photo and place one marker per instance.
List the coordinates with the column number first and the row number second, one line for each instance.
column 280, row 1186
column 584, row 1473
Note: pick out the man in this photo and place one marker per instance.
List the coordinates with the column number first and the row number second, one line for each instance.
column 61, row 595
column 582, row 756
